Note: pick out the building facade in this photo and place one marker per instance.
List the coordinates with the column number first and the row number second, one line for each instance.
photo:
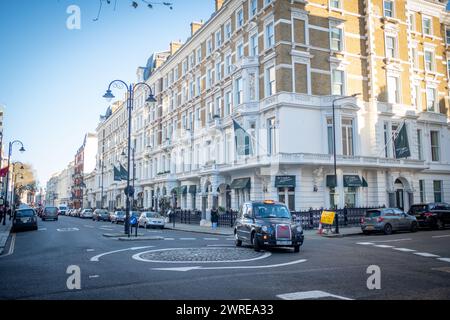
column 276, row 68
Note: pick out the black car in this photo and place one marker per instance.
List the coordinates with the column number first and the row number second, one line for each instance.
column 100, row 215
column 25, row 219
column 267, row 224
column 431, row 215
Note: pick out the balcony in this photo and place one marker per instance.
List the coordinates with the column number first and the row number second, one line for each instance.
column 215, row 124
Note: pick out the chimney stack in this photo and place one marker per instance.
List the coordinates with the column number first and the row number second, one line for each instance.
column 174, row 46
column 219, row 4
column 195, row 26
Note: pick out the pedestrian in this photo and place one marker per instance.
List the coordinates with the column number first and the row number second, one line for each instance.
column 214, row 218
column 9, row 213
column 2, row 213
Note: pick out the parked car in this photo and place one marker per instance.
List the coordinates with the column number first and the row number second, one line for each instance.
column 100, row 214
column 267, row 224
column 151, row 219
column 25, row 218
column 388, row 220
column 50, row 213
column 86, row 214
column 431, row 215
column 62, row 210
column 118, row 217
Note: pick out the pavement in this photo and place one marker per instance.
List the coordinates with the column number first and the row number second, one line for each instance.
column 194, row 266
column 4, row 234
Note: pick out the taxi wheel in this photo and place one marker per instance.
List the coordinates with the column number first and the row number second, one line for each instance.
column 414, row 227
column 440, row 224
column 388, row 229
column 255, row 243
column 297, row 249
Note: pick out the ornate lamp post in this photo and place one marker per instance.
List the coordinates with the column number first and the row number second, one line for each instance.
column 22, row 149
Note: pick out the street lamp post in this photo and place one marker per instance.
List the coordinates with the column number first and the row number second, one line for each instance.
column 22, row 149
column 334, row 148
column 133, row 152
column 130, row 101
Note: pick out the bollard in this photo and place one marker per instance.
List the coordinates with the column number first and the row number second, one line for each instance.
column 337, row 222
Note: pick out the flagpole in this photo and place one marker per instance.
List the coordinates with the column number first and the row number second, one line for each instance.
column 393, row 137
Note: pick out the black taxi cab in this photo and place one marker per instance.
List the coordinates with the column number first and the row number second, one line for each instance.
column 267, row 224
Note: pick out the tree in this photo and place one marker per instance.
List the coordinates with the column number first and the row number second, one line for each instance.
column 26, row 180
column 134, row 4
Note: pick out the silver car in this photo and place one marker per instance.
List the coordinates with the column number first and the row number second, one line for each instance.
column 388, row 220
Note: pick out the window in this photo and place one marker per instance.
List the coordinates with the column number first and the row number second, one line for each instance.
column 218, row 39
column 218, row 71
column 448, row 69
column 185, row 66
column 253, row 9
column 416, row 96
column 412, row 22
column 227, row 103
column 228, row 31
column 435, row 154
column 386, row 134
column 437, row 189
column 334, row 198
column 431, row 99
column 239, row 51
column 419, row 144
column 347, row 137
column 239, row 18
column 337, row 78
column 287, row 196
column 228, row 64
column 414, row 57
column 270, row 81
column 210, row 110
column 198, row 86
column 388, row 8
column 239, row 91
column 422, row 190
column 199, row 55
column 192, row 61
column 447, row 36
column 350, row 197
column 208, row 79
column 267, row 2
column 429, row 60
column 271, row 136
column 330, row 135
column 393, row 89
column 218, row 107
column 391, row 51
column 254, row 45
column 335, row 4
column 426, row 26
column 209, row 47
column 336, row 38
column 270, row 38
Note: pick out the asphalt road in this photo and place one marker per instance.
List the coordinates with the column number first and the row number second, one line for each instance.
column 199, row 266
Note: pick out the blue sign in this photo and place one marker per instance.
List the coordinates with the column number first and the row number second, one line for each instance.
column 133, row 220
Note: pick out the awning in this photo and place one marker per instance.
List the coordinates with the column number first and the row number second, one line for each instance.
column 364, row 183
column 242, row 183
column 331, row 181
column 285, row 181
column 193, row 189
column 352, row 181
column 183, row 189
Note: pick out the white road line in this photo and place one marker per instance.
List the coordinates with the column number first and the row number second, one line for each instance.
column 42, row 229
column 211, row 239
column 90, row 250
column 96, row 258
column 229, row 239
column 94, row 276
column 404, row 249
column 106, row 229
column 86, row 226
column 444, row 259
column 188, row 239
column 425, row 254
column 11, row 246
column 309, row 295
column 169, row 239
column 395, row 240
column 383, row 246
column 365, row 243
column 444, row 236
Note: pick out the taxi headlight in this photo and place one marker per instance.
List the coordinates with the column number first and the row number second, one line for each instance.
column 264, row 229
column 299, row 229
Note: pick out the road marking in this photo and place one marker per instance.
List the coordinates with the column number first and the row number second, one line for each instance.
column 229, row 239
column 94, row 276
column 383, row 246
column 187, row 239
column 395, row 240
column 365, row 243
column 67, row 229
column 86, row 226
column 42, row 229
column 427, row 255
column 445, row 269
column 90, row 250
column 404, row 249
column 210, row 239
column 184, row 269
column 11, row 246
column 169, row 239
column 444, row 259
column 96, row 258
column 309, row 295
column 221, row 245
column 106, row 229
column 444, row 236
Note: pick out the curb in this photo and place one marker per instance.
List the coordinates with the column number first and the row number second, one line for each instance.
column 118, row 235
column 139, row 238
column 203, row 231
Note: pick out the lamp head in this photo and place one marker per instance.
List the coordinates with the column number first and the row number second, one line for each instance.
column 151, row 99
column 108, row 95
column 123, row 154
column 22, row 149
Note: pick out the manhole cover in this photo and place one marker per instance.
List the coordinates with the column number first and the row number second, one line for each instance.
column 200, row 255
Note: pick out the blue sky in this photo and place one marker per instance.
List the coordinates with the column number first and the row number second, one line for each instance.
column 52, row 79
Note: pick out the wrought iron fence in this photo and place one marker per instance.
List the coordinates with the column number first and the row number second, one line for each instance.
column 227, row 218
column 186, row 216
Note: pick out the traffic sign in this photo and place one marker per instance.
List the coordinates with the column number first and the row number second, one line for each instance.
column 129, row 190
column 133, row 220
column 327, row 217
